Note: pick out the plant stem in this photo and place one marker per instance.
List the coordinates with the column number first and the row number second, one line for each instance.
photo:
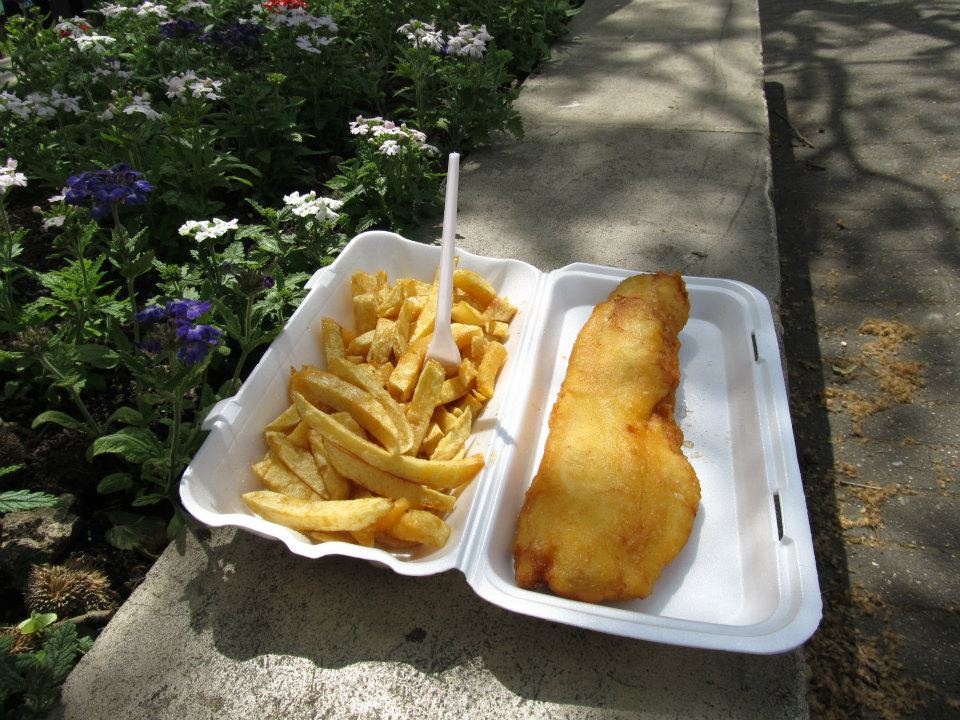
column 75, row 396
column 175, row 440
column 245, row 343
column 124, row 262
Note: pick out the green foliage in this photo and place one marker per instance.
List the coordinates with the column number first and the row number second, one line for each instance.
column 233, row 125
column 30, row 681
column 18, row 500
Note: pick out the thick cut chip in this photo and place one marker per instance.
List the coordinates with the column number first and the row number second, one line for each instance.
column 426, row 318
column 433, row 473
column 325, row 515
column 463, row 335
column 453, row 442
column 362, row 282
column 278, row 477
column 338, row 487
column 298, row 460
column 426, row 397
column 298, row 436
column 364, row 312
column 421, row 527
column 500, row 309
column 331, row 338
column 454, row 389
column 383, row 342
column 320, row 386
column 391, row 301
column 285, row 421
column 467, row 314
column 405, row 374
column 384, row 484
column 474, row 285
column 360, row 345
column 365, row 378
column 497, row 329
column 493, row 359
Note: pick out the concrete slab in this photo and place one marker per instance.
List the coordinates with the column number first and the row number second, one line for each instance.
column 233, row 626
column 237, row 627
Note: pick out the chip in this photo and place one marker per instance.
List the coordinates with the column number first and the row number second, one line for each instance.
column 373, row 449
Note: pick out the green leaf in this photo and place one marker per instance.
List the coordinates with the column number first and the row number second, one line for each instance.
column 58, row 418
column 61, row 650
column 176, row 523
column 98, row 356
column 115, row 482
column 36, row 622
column 136, row 532
column 19, row 500
column 149, row 499
column 133, row 444
column 10, row 469
column 123, row 537
column 126, row 415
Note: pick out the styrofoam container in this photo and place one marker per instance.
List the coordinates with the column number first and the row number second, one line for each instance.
column 745, row 581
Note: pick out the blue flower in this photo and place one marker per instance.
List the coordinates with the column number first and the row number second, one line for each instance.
column 104, row 189
column 176, row 330
column 151, row 314
column 236, row 35
column 188, row 309
column 180, row 28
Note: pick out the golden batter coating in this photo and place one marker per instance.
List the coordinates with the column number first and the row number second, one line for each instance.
column 614, row 499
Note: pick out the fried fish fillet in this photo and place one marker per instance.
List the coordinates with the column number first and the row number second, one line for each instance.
column 614, row 499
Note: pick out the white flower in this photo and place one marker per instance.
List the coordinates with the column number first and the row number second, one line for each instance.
column 177, row 84
column 312, row 43
column 198, row 87
column 206, row 88
column 475, row 48
column 148, row 8
column 94, row 42
column 110, row 68
column 55, row 221
column 141, row 104
column 59, row 198
column 66, row 103
column 422, row 35
column 470, row 41
column 207, row 229
column 309, row 205
column 329, row 23
column 198, row 4
column 389, row 147
column 10, row 177
column 361, row 126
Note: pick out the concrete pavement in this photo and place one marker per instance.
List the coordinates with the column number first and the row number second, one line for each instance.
column 646, row 148
column 863, row 97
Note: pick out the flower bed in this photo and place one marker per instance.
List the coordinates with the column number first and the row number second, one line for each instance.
column 173, row 174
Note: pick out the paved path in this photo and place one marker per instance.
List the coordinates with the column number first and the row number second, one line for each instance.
column 646, row 148
column 867, row 179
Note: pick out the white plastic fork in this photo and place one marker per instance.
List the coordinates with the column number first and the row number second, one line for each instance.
column 442, row 348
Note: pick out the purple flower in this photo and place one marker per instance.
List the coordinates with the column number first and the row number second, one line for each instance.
column 235, row 35
column 180, row 28
column 175, row 329
column 195, row 342
column 268, row 282
column 188, row 309
column 104, row 189
column 151, row 314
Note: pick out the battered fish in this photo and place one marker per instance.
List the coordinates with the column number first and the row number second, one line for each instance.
column 614, row 499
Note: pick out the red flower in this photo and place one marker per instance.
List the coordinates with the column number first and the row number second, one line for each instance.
column 277, row 6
